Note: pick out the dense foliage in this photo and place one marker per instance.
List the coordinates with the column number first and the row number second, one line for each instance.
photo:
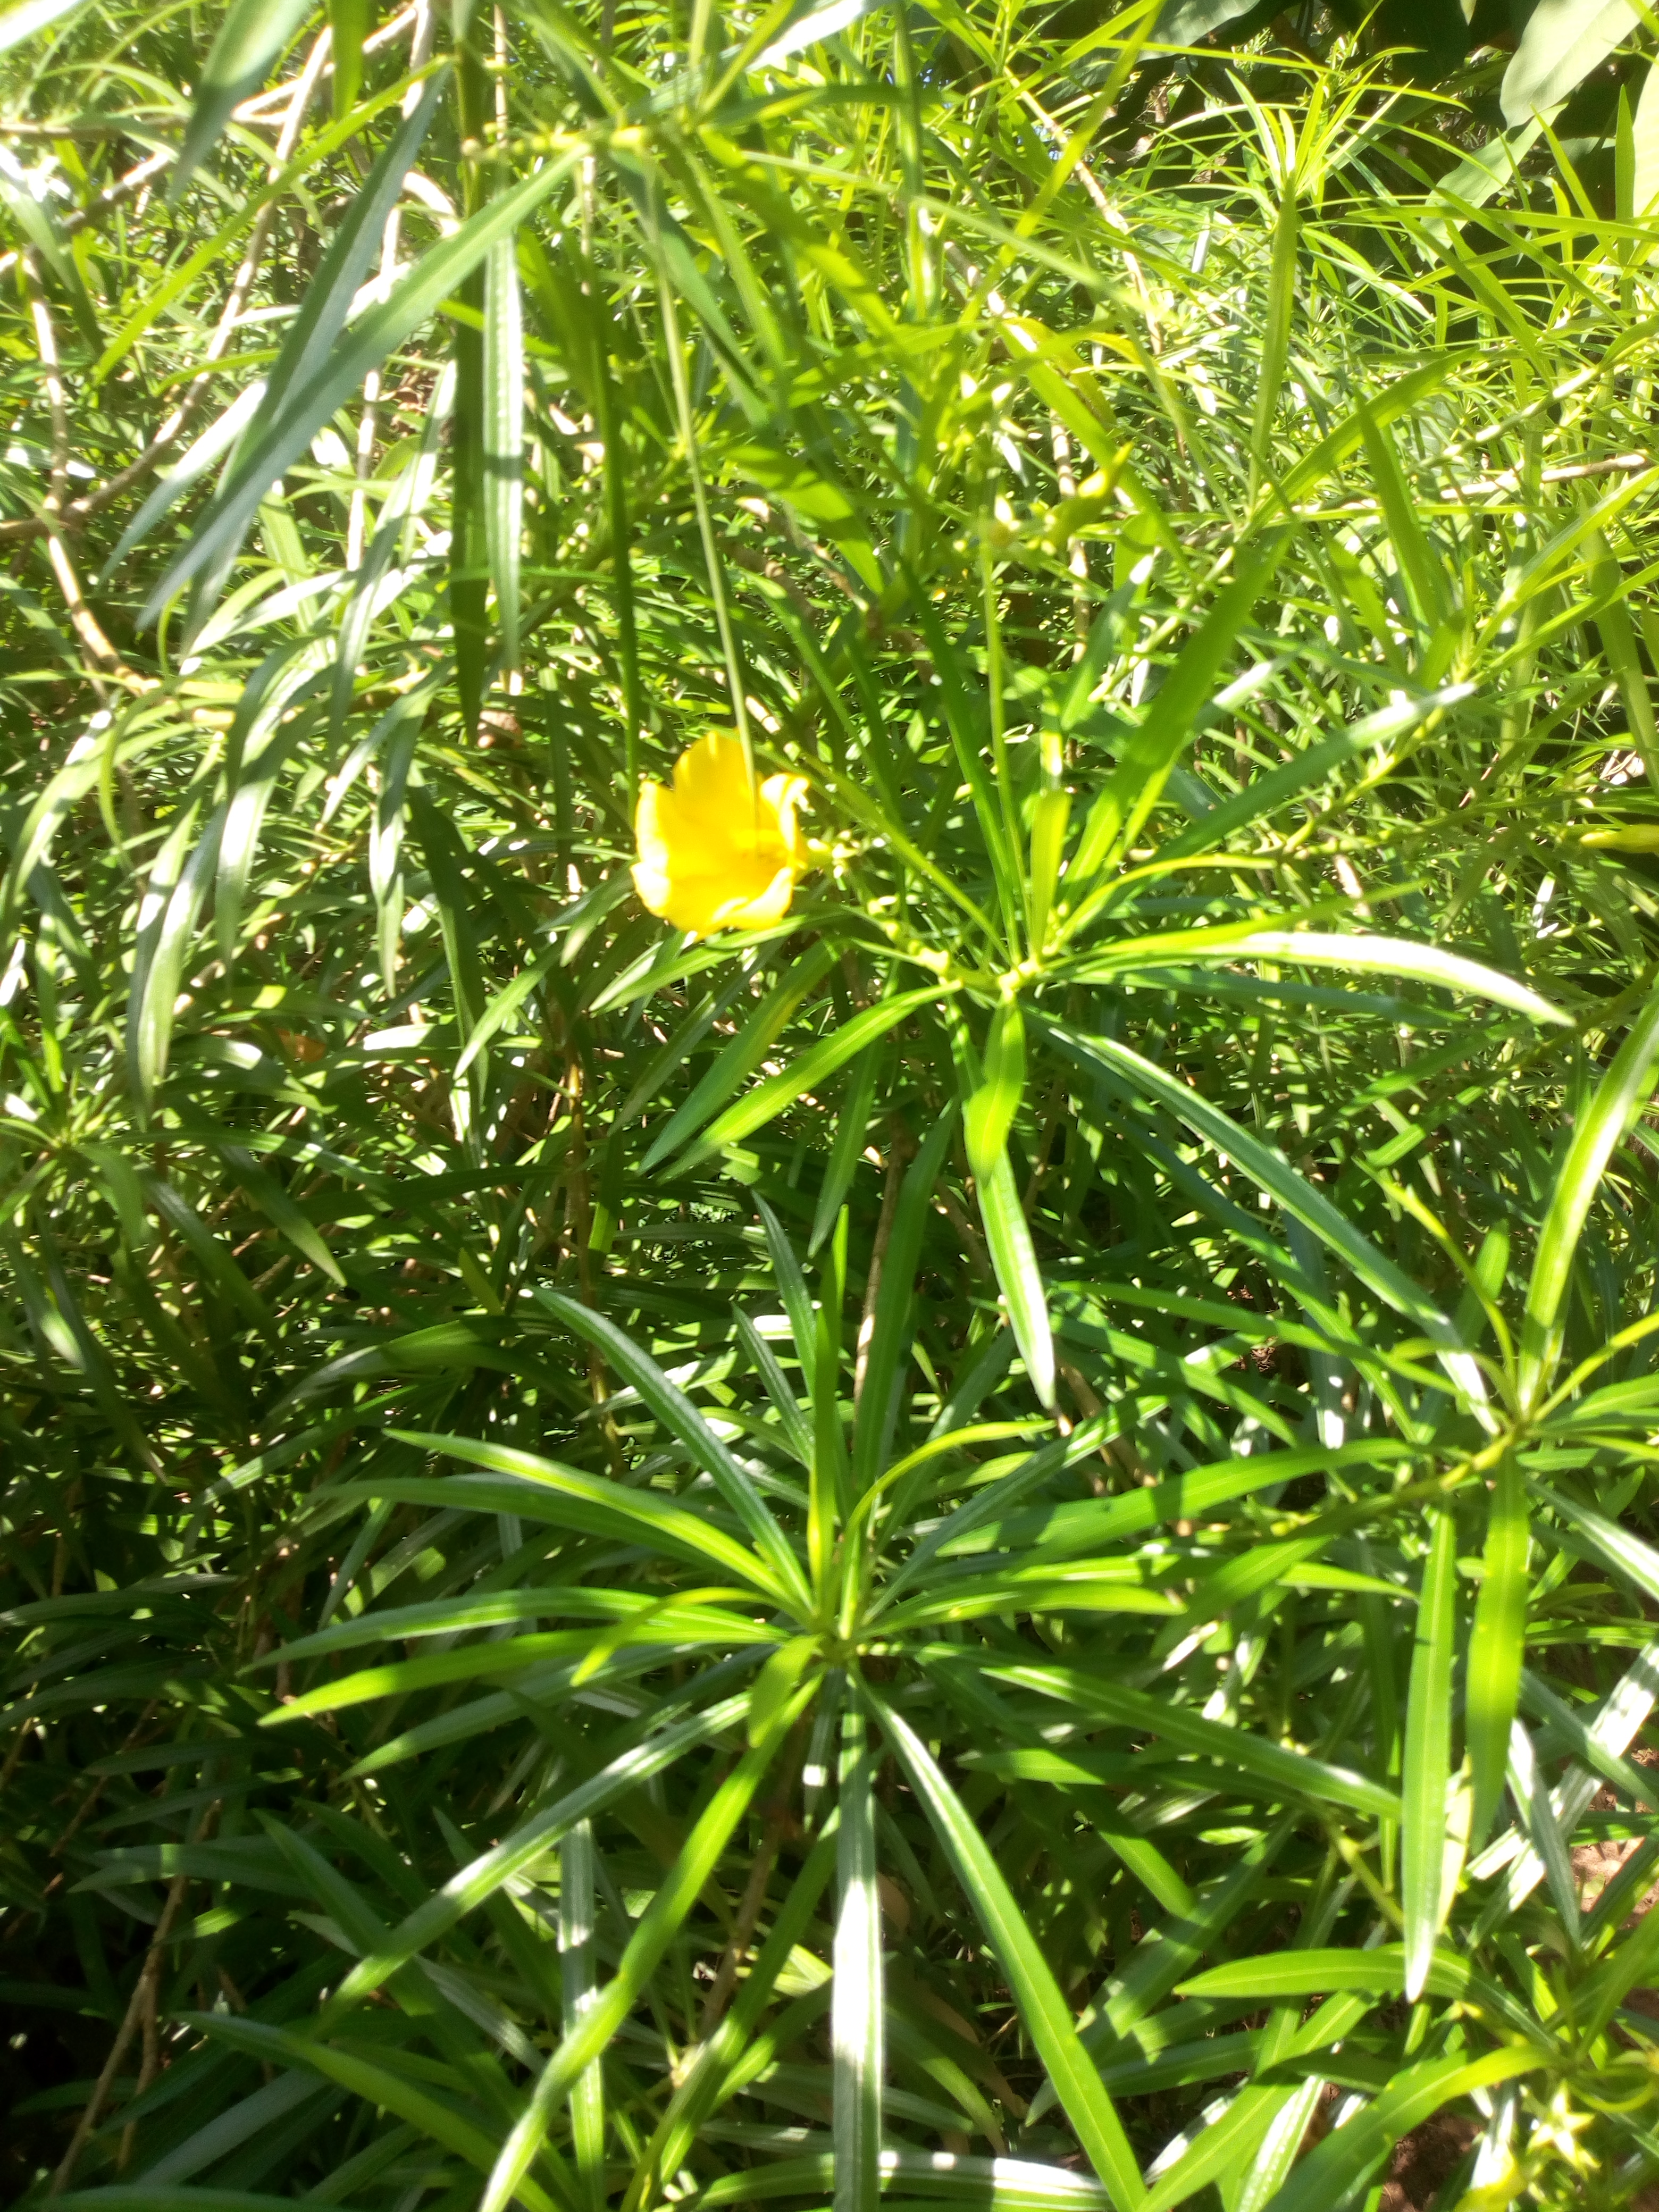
column 988, row 1546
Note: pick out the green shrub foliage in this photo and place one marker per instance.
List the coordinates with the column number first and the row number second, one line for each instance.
column 989, row 1546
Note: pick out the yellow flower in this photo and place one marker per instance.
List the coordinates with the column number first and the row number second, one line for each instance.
column 715, row 852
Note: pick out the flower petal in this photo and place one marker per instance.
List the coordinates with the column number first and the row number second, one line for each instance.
column 761, row 911
column 715, row 852
column 782, row 793
column 652, row 817
column 713, row 794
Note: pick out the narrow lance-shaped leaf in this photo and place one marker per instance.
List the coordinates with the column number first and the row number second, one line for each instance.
column 989, row 1114
column 890, row 1337
column 641, row 1511
column 1617, row 1098
column 1325, row 2177
column 1127, row 1074
column 1043, row 2010
column 21, row 19
column 768, row 1098
column 377, row 2085
column 577, row 1953
column 291, row 382
column 1150, row 752
column 849, row 1147
column 1497, row 1645
column 365, row 346
column 1262, row 794
column 503, row 436
column 658, row 1928
column 1239, row 1749
column 469, row 1887
column 1562, row 43
column 173, row 905
column 349, row 23
column 1280, row 315
column 1008, row 1238
column 681, row 1418
column 1359, row 954
column 1530, row 1787
column 764, row 1022
column 992, row 1098
column 857, row 2003
column 714, row 2075
column 1427, row 1764
column 253, row 35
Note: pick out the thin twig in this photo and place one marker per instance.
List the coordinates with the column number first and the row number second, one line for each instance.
column 1484, row 487
column 87, row 626
column 139, row 2006
column 776, row 1815
column 123, row 188
column 264, row 106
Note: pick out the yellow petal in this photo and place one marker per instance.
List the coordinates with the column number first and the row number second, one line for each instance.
column 782, row 793
column 654, row 887
column 712, row 795
column 697, row 903
column 648, row 827
column 760, row 913
column 715, row 851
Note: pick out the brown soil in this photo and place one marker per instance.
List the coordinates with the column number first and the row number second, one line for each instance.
column 1424, row 2160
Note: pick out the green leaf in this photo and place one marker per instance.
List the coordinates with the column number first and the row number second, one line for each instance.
column 349, row 23
column 1645, row 147
column 503, row 436
column 364, row 346
column 988, row 1115
column 1134, row 788
column 579, row 1990
column 21, row 19
column 1184, row 22
column 270, row 1195
column 768, row 1099
column 1378, row 1972
column 763, row 1024
column 681, row 1418
column 775, row 1683
column 1279, row 315
column 254, row 35
column 1345, row 2157
column 1618, row 1548
column 1562, row 43
column 1631, row 1782
column 643, row 1512
column 890, row 1335
column 484, row 1876
column 368, row 2078
column 1618, row 1097
column 1043, row 2011
column 502, row 1008
column 797, row 1297
column 858, row 2000
column 1361, row 955
column 585, row 2038
column 1114, row 1703
column 1425, row 1891
column 173, row 899
column 1127, row 1074
column 178, row 2196
column 851, row 1124
column 1497, row 1645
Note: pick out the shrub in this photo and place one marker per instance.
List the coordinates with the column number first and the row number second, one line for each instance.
column 986, row 1541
